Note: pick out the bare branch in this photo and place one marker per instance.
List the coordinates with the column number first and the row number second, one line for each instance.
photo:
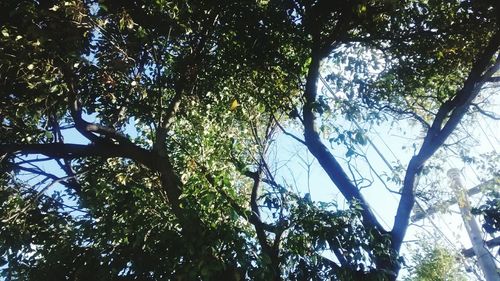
column 289, row 134
column 488, row 114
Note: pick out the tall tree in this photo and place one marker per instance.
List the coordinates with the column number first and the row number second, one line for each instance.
column 188, row 193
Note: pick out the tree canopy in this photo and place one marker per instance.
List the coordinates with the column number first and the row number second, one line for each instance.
column 135, row 135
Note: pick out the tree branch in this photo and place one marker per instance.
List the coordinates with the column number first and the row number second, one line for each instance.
column 85, row 128
column 170, row 182
column 67, row 181
column 288, row 133
column 488, row 114
column 73, row 151
column 495, row 79
column 440, row 130
column 321, row 152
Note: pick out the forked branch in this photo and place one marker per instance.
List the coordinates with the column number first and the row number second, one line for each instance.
column 448, row 117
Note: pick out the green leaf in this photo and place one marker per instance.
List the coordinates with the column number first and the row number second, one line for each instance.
column 350, row 152
column 5, row 32
column 361, row 138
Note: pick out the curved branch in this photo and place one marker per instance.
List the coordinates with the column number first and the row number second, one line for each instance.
column 85, row 128
column 325, row 158
column 288, row 133
column 440, row 130
column 488, row 114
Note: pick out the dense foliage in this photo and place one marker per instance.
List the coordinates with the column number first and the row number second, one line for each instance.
column 490, row 211
column 435, row 263
column 135, row 135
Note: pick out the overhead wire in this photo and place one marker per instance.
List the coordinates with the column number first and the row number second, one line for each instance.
column 487, row 137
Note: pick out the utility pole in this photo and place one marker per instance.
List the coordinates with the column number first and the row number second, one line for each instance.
column 420, row 214
column 485, row 260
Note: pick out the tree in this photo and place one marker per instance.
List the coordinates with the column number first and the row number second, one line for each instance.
column 433, row 262
column 207, row 85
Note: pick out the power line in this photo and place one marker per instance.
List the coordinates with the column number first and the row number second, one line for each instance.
column 486, row 135
column 491, row 131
